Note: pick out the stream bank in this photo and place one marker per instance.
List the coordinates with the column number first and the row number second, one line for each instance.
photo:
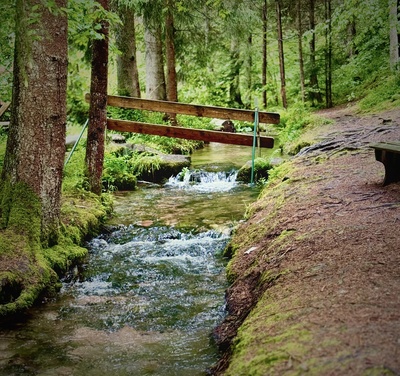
column 315, row 284
column 30, row 272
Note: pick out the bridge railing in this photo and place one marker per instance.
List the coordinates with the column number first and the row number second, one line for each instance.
column 193, row 110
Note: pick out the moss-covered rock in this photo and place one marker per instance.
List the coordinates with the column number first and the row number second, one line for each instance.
column 163, row 166
column 261, row 168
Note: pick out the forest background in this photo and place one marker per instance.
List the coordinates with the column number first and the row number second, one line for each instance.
column 235, row 53
column 285, row 56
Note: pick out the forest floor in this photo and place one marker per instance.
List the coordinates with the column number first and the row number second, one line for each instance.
column 316, row 267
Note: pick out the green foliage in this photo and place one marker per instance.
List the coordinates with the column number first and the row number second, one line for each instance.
column 78, row 86
column 383, row 95
column 84, row 17
column 118, row 172
column 3, row 144
column 7, row 48
column 74, row 178
column 292, row 123
column 145, row 164
column 261, row 170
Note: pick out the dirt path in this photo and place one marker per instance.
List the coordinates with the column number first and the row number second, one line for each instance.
column 319, row 262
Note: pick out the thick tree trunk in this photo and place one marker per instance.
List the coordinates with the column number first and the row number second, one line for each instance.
column 264, row 54
column 301, row 58
column 315, row 93
column 394, row 21
column 281, row 53
column 127, row 70
column 98, row 109
column 155, row 76
column 36, row 142
column 171, row 85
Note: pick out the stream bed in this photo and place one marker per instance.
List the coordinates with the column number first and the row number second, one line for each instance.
column 152, row 289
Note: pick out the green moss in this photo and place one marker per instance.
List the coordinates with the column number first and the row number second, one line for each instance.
column 62, row 256
column 261, row 169
column 24, row 273
column 27, row 270
column 379, row 371
column 21, row 210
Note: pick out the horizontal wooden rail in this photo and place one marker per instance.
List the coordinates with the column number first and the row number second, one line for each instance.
column 188, row 133
column 190, row 109
column 4, row 107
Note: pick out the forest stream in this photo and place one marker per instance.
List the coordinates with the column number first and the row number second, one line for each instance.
column 152, row 290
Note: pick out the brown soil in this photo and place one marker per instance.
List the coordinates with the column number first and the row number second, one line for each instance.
column 336, row 272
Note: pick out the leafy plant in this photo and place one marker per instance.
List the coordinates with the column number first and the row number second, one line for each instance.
column 144, row 164
column 117, row 173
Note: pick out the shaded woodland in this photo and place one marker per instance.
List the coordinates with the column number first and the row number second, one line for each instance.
column 273, row 54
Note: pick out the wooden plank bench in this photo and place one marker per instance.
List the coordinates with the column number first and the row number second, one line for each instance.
column 389, row 154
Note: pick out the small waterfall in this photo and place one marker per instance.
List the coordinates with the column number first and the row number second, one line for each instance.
column 204, row 181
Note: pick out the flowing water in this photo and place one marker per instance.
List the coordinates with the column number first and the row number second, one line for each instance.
column 152, row 290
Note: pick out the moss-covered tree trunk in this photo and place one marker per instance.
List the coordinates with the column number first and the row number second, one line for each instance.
column 98, row 109
column 36, row 141
column 30, row 186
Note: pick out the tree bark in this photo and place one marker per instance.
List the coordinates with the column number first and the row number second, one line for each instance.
column 155, row 76
column 315, row 93
column 301, row 58
column 328, row 54
column 171, row 85
column 36, row 141
column 127, row 70
column 394, row 22
column 249, row 71
column 281, row 53
column 98, row 109
column 265, row 51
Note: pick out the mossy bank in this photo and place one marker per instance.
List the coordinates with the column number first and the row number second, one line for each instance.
column 314, row 268
column 30, row 270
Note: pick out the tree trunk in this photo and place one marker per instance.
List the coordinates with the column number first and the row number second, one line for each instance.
column 351, row 35
column 328, row 54
column 281, row 53
column 36, row 141
column 127, row 70
column 172, row 85
column 98, row 109
column 301, row 58
column 394, row 17
column 155, row 77
column 265, row 51
column 235, row 97
column 249, row 71
column 315, row 93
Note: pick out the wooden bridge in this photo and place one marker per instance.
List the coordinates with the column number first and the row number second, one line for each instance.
column 193, row 110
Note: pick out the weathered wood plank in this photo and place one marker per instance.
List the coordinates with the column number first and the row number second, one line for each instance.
column 188, row 133
column 191, row 109
column 3, row 107
column 393, row 146
column 389, row 154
